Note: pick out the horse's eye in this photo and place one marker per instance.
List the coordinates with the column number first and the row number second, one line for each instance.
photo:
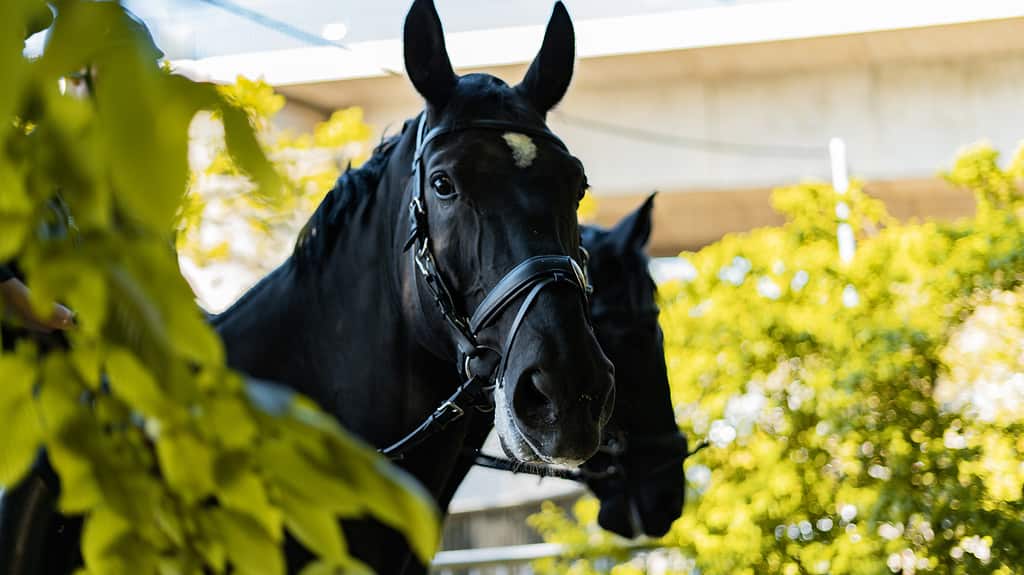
column 443, row 186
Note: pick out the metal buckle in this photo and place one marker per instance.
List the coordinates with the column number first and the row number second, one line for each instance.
column 421, row 259
column 416, row 205
column 448, row 412
column 581, row 276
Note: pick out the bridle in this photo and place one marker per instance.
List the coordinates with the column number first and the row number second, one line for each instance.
column 483, row 367
column 670, row 448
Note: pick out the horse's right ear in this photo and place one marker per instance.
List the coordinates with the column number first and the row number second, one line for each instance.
column 548, row 77
column 426, row 58
column 634, row 231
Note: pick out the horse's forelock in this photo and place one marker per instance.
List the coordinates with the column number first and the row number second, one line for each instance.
column 483, row 96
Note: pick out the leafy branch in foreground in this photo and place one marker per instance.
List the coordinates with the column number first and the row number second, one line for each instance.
column 176, row 463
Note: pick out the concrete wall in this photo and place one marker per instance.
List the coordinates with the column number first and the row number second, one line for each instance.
column 905, row 101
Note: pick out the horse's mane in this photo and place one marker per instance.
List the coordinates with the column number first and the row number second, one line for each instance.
column 352, row 187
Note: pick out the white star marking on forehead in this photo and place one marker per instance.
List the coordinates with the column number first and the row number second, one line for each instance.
column 523, row 149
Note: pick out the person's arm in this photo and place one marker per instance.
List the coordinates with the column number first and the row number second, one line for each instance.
column 15, row 296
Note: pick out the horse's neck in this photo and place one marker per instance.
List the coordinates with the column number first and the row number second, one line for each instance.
column 341, row 335
column 327, row 328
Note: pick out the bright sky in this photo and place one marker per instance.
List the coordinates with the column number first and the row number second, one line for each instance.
column 209, row 39
column 194, row 29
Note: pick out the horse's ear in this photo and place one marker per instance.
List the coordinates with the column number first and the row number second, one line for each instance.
column 634, row 231
column 426, row 58
column 548, row 77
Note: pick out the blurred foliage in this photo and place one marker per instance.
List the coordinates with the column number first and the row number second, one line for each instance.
column 222, row 223
column 588, row 207
column 179, row 466
column 865, row 418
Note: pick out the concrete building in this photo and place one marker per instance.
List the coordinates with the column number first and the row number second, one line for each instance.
column 715, row 106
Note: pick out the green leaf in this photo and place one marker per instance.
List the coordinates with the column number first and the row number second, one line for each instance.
column 15, row 209
column 187, row 464
column 102, row 532
column 246, row 151
column 401, row 502
column 88, row 297
column 169, row 522
column 286, row 466
column 242, row 490
column 80, row 489
column 97, row 468
column 130, row 380
column 149, row 189
column 59, row 393
column 72, row 42
column 13, row 16
column 194, row 339
column 228, row 420
column 136, row 321
column 249, row 548
column 316, row 528
column 209, row 542
column 20, row 440
column 87, row 358
column 111, row 545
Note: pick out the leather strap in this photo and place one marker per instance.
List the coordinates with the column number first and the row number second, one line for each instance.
column 515, row 282
column 424, row 137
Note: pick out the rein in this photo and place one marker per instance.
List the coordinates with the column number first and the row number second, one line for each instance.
column 616, row 448
column 482, row 366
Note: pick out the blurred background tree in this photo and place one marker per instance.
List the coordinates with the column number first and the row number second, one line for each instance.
column 230, row 237
column 177, row 464
column 865, row 418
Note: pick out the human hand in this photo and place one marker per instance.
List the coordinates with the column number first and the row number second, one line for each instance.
column 15, row 295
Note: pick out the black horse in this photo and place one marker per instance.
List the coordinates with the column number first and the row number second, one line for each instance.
column 638, row 472
column 450, row 256
column 644, row 440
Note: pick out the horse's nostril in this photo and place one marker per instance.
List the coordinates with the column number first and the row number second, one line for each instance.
column 538, row 382
column 531, row 401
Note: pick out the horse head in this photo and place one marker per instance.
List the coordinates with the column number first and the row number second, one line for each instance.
column 495, row 280
column 645, row 443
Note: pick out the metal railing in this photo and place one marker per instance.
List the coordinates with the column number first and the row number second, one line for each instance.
column 446, row 561
column 516, row 559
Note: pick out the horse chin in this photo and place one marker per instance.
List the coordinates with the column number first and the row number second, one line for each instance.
column 514, row 441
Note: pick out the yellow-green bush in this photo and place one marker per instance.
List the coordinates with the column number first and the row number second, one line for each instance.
column 838, row 397
column 218, row 208
column 181, row 467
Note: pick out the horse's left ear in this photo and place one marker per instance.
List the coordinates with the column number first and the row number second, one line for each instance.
column 426, row 57
column 634, row 231
column 551, row 71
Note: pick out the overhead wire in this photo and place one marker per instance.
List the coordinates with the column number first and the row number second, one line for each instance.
column 689, row 142
column 287, row 29
column 601, row 126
